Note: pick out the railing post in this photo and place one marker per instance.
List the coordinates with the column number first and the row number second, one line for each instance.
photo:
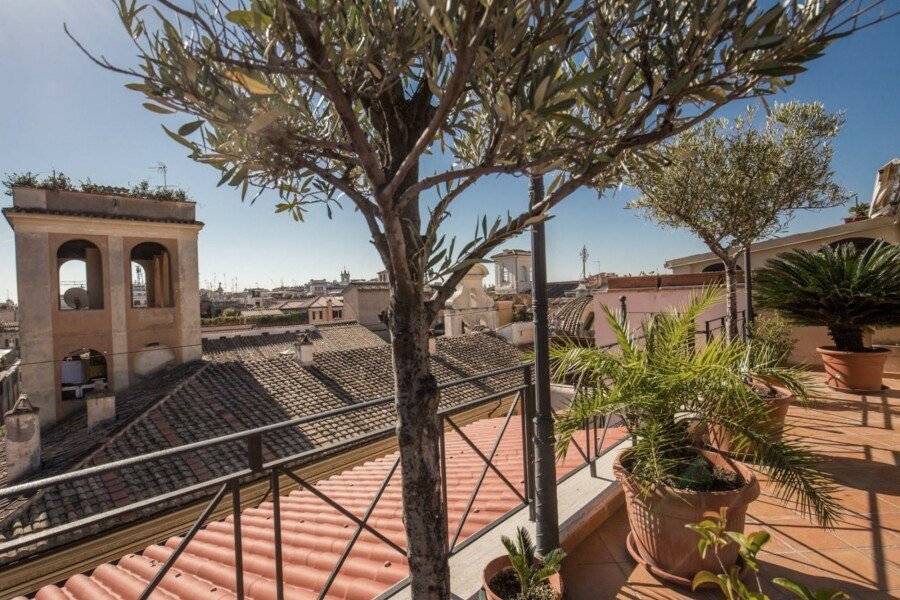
column 238, row 539
column 528, row 434
column 254, row 452
column 276, row 523
column 708, row 333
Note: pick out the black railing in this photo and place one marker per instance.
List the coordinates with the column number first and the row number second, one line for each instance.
column 719, row 325
column 229, row 484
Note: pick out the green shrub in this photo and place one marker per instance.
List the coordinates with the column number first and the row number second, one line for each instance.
column 774, row 331
column 59, row 181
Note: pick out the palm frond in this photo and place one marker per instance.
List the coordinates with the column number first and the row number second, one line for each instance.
column 668, row 381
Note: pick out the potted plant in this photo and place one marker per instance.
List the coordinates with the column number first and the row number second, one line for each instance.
column 664, row 385
column 521, row 575
column 845, row 289
column 714, row 535
column 857, row 212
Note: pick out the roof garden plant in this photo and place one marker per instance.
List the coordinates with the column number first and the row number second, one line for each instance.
column 522, row 574
column 666, row 388
column 734, row 183
column 326, row 103
column 845, row 289
column 59, row 181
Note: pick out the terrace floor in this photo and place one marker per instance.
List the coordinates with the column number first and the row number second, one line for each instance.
column 857, row 439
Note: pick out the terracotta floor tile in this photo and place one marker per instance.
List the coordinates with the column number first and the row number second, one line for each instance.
column 858, row 440
column 642, row 585
column 593, row 582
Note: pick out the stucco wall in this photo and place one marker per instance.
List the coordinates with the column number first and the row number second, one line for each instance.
column 641, row 303
column 117, row 330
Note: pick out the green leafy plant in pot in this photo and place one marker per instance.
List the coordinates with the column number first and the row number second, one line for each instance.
column 846, row 289
column 521, row 574
column 665, row 386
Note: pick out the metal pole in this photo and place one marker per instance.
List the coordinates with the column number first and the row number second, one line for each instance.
column 748, row 293
column 546, row 511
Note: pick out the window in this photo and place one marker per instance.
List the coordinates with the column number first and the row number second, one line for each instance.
column 80, row 272
column 336, row 314
column 523, row 273
column 151, row 276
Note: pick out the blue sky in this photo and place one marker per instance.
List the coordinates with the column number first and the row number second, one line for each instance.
column 58, row 111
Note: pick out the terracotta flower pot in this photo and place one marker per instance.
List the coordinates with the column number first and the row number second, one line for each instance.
column 658, row 522
column 853, row 371
column 502, row 562
column 779, row 404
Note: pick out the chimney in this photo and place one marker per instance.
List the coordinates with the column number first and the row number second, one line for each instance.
column 101, row 405
column 432, row 344
column 303, row 350
column 23, row 440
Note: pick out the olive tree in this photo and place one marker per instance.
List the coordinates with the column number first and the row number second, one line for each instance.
column 734, row 183
column 335, row 102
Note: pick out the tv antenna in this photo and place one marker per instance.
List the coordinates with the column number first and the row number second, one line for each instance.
column 162, row 169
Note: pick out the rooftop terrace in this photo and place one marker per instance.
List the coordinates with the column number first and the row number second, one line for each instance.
column 856, row 438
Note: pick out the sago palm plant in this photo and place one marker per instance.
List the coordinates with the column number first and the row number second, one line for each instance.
column 664, row 385
column 845, row 289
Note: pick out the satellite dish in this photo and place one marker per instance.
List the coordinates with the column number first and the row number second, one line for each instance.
column 76, row 298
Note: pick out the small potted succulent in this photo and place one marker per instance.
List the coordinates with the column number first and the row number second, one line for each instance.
column 846, row 289
column 521, row 574
column 665, row 387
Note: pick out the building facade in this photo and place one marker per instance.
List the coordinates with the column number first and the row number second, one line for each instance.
column 512, row 271
column 112, row 292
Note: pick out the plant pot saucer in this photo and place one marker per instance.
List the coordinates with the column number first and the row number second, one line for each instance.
column 660, row 573
column 855, row 391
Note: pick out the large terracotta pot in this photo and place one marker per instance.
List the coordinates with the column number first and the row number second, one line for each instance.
column 853, row 371
column 779, row 404
column 658, row 522
column 502, row 562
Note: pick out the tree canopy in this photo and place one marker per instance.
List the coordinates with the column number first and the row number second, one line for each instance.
column 733, row 184
column 329, row 102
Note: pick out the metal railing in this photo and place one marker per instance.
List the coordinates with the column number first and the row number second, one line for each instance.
column 229, row 485
column 721, row 325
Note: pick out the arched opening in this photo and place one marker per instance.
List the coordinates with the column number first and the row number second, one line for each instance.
column 151, row 276
column 80, row 272
column 82, row 371
column 861, row 243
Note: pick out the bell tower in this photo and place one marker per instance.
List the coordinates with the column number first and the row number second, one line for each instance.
column 108, row 289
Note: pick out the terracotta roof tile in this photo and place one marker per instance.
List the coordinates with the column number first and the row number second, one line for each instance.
column 314, row 534
column 209, row 399
column 326, row 337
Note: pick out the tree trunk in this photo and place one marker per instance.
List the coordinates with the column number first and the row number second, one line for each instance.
column 731, row 313
column 848, row 338
column 418, row 430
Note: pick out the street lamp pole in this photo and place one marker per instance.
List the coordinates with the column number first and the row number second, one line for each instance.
column 546, row 510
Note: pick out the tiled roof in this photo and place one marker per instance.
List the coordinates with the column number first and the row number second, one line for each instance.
column 325, row 337
column 314, row 534
column 95, row 215
column 228, row 394
column 565, row 315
